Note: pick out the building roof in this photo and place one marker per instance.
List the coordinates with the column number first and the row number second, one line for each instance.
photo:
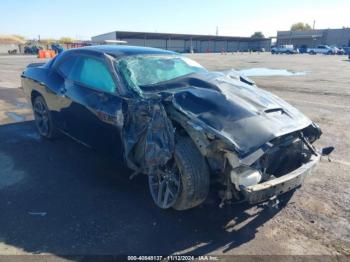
column 165, row 36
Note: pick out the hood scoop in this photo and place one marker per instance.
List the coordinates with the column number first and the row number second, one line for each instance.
column 275, row 110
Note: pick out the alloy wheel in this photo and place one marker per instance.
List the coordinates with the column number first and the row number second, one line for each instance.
column 165, row 185
column 41, row 116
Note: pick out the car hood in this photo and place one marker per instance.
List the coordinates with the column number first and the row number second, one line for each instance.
column 234, row 108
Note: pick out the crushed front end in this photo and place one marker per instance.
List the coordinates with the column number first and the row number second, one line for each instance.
column 256, row 145
column 276, row 168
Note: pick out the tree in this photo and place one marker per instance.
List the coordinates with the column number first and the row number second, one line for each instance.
column 300, row 27
column 258, row 35
column 65, row 40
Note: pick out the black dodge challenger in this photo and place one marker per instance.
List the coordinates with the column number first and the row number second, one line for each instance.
column 173, row 120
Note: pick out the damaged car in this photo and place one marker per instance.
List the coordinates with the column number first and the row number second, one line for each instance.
column 171, row 119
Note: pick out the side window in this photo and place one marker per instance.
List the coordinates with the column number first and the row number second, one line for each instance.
column 66, row 66
column 93, row 73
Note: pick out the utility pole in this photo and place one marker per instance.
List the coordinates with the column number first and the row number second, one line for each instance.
column 313, row 27
column 217, row 30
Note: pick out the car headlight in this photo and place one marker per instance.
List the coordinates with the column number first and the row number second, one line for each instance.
column 245, row 176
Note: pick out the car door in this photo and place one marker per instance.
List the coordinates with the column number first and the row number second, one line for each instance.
column 93, row 112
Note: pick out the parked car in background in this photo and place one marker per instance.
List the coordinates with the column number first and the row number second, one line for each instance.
column 258, row 49
column 33, row 50
column 284, row 49
column 12, row 51
column 341, row 51
column 303, row 49
column 337, row 50
column 346, row 50
column 321, row 49
column 57, row 48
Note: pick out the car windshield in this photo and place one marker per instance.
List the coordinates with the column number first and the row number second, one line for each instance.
column 145, row 70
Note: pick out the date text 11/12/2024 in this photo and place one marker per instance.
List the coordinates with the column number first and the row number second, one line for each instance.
column 173, row 258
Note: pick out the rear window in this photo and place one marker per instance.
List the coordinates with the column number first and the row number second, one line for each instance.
column 67, row 65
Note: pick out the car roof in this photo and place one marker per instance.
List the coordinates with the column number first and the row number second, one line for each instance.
column 125, row 50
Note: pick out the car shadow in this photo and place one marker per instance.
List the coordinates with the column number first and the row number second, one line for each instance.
column 69, row 200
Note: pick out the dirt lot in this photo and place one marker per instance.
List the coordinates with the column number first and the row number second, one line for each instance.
column 61, row 198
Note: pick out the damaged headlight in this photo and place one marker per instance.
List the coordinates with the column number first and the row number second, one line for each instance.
column 242, row 175
column 245, row 176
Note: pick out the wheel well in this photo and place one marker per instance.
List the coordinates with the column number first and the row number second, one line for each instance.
column 33, row 95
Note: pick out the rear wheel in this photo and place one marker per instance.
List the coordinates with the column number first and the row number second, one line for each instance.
column 42, row 117
column 184, row 183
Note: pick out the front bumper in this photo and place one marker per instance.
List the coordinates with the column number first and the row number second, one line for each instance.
column 264, row 191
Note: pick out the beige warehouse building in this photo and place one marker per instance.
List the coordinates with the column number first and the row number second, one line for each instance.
column 312, row 38
column 187, row 42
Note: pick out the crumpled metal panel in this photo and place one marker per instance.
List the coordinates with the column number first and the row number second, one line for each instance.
column 244, row 114
column 148, row 135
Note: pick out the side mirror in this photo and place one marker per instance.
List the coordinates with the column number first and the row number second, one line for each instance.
column 326, row 151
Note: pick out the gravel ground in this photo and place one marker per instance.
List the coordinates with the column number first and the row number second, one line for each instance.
column 61, row 198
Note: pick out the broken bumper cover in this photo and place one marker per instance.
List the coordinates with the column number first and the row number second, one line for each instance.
column 264, row 191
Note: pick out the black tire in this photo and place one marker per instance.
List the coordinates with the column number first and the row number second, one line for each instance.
column 194, row 174
column 43, row 118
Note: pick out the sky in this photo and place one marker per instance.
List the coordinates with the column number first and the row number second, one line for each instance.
column 82, row 19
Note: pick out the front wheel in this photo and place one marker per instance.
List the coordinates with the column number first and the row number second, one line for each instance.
column 184, row 183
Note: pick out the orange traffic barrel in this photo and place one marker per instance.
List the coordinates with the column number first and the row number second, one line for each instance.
column 41, row 54
column 46, row 54
column 52, row 53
